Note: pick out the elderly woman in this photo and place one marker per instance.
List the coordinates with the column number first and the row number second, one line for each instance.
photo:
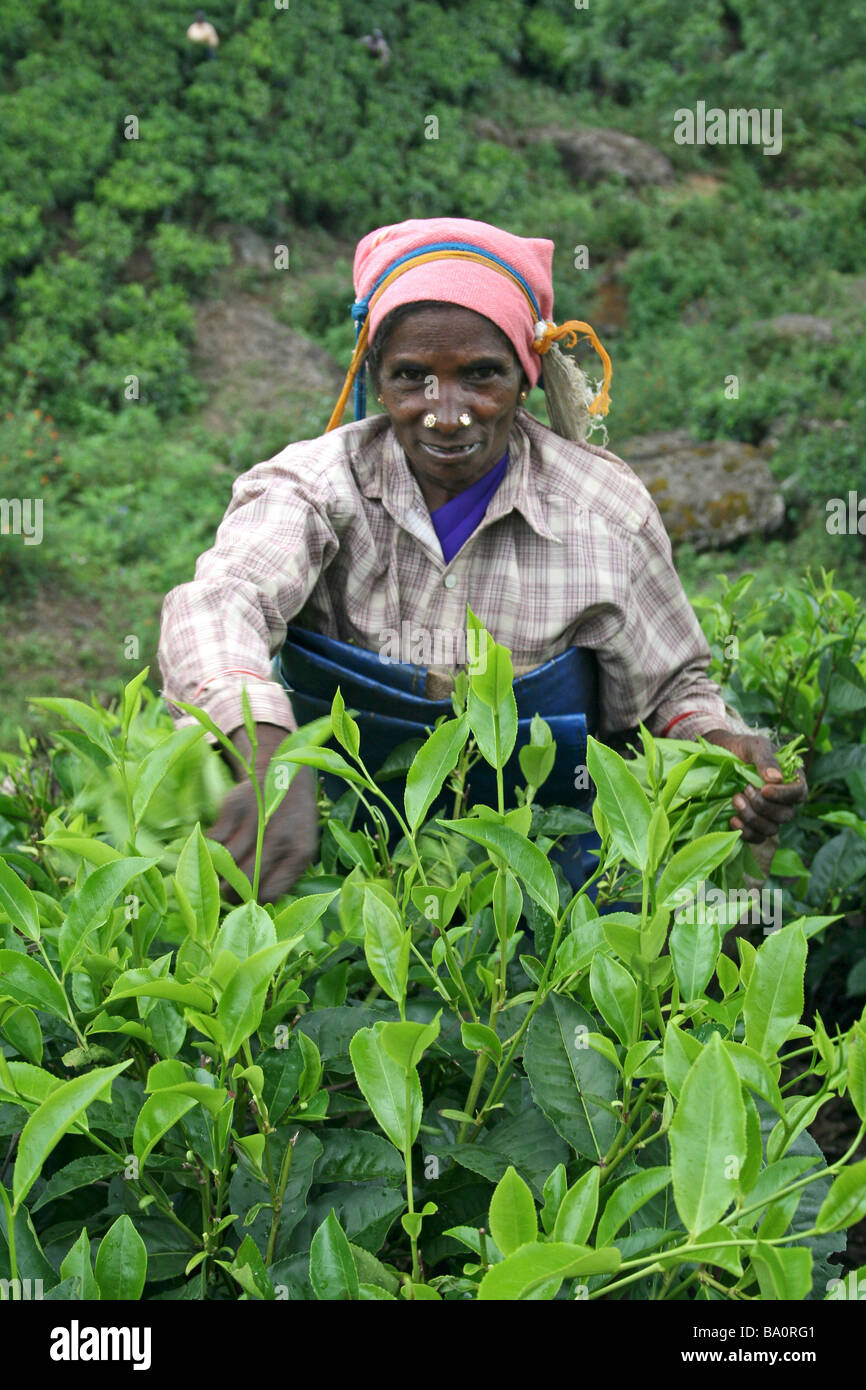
column 386, row 528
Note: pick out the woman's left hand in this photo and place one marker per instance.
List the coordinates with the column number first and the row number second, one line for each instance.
column 760, row 810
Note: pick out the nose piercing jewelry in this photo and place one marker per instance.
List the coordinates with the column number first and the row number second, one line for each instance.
column 465, row 418
column 429, row 421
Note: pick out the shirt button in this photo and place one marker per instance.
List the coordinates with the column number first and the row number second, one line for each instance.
column 449, row 581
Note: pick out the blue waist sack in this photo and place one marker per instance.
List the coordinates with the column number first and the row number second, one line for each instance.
column 390, row 707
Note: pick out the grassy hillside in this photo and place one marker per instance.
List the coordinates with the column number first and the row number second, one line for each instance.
column 130, row 165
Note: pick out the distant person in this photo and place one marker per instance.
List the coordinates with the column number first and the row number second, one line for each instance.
column 201, row 31
column 377, row 46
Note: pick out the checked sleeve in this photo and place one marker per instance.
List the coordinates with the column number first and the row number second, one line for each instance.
column 654, row 669
column 221, row 630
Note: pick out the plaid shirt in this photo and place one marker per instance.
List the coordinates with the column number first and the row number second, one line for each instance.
column 334, row 533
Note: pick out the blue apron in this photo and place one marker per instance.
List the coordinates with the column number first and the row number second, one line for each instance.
column 390, row 707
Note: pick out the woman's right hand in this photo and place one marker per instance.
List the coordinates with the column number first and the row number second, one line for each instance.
column 292, row 835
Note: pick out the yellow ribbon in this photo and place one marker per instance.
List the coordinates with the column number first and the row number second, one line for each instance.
column 570, row 331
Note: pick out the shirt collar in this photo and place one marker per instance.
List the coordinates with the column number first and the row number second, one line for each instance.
column 381, row 470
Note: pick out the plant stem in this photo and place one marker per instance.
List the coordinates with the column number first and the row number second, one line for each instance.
column 10, row 1232
column 278, row 1202
column 410, row 1196
column 629, row 1279
column 481, row 1062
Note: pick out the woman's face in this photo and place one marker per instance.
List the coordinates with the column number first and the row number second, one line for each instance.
column 447, row 362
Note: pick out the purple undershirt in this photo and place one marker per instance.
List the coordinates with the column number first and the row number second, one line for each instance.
column 455, row 520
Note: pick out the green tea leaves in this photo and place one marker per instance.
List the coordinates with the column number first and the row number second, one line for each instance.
column 774, row 997
column 708, row 1138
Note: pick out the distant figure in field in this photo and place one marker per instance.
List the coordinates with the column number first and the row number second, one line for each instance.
column 377, row 46
column 202, row 31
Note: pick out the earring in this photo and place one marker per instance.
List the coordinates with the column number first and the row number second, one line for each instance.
column 381, row 400
column 465, row 419
column 429, row 421
column 523, row 395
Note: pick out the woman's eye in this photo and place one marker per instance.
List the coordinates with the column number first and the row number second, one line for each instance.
column 409, row 374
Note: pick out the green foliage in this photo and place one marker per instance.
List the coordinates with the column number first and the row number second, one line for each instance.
column 607, row 1101
column 795, row 660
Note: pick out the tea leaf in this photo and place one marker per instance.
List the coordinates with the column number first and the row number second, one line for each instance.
column 57, row 1114
column 783, row 1272
column 694, row 949
column 512, row 1218
column 691, row 864
column 393, row 1096
column 754, row 1072
column 570, row 1081
column 76, row 1265
column 332, row 1268
column 92, row 905
column 121, row 1262
column 774, row 996
column 576, row 1214
column 18, row 902
column 198, row 879
column 158, row 764
column 156, row 1117
column 386, row 945
column 406, row 1043
column 629, row 1197
column 81, row 1172
column 623, row 801
column 708, row 1138
column 355, row 1155
column 84, row 717
column 431, row 765
column 242, row 1003
column 477, row 1037
column 21, row 1027
column 845, row 1203
column 616, row 996
column 22, row 978
column 857, row 1071
column 523, row 857
column 526, row 1269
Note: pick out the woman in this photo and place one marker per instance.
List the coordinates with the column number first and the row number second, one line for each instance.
column 454, row 495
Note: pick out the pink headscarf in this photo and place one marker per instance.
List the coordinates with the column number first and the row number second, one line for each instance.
column 459, row 281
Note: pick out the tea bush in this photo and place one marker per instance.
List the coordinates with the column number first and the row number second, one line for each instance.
column 807, row 680
column 432, row 1071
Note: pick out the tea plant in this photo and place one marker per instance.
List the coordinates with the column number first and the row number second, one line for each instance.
column 807, row 679
column 433, row 1071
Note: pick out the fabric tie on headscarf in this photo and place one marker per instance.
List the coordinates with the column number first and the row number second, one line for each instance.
column 454, row 260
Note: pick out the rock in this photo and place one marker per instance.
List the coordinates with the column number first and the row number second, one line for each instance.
column 588, row 153
column 801, row 326
column 709, row 493
column 254, row 362
column 252, row 249
column 591, row 154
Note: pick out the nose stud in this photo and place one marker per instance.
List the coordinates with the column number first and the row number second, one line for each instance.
column 430, row 420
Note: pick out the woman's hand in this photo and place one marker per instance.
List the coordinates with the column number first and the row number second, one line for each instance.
column 760, row 810
column 292, row 835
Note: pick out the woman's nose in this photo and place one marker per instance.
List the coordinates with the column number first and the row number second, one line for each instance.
column 451, row 410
